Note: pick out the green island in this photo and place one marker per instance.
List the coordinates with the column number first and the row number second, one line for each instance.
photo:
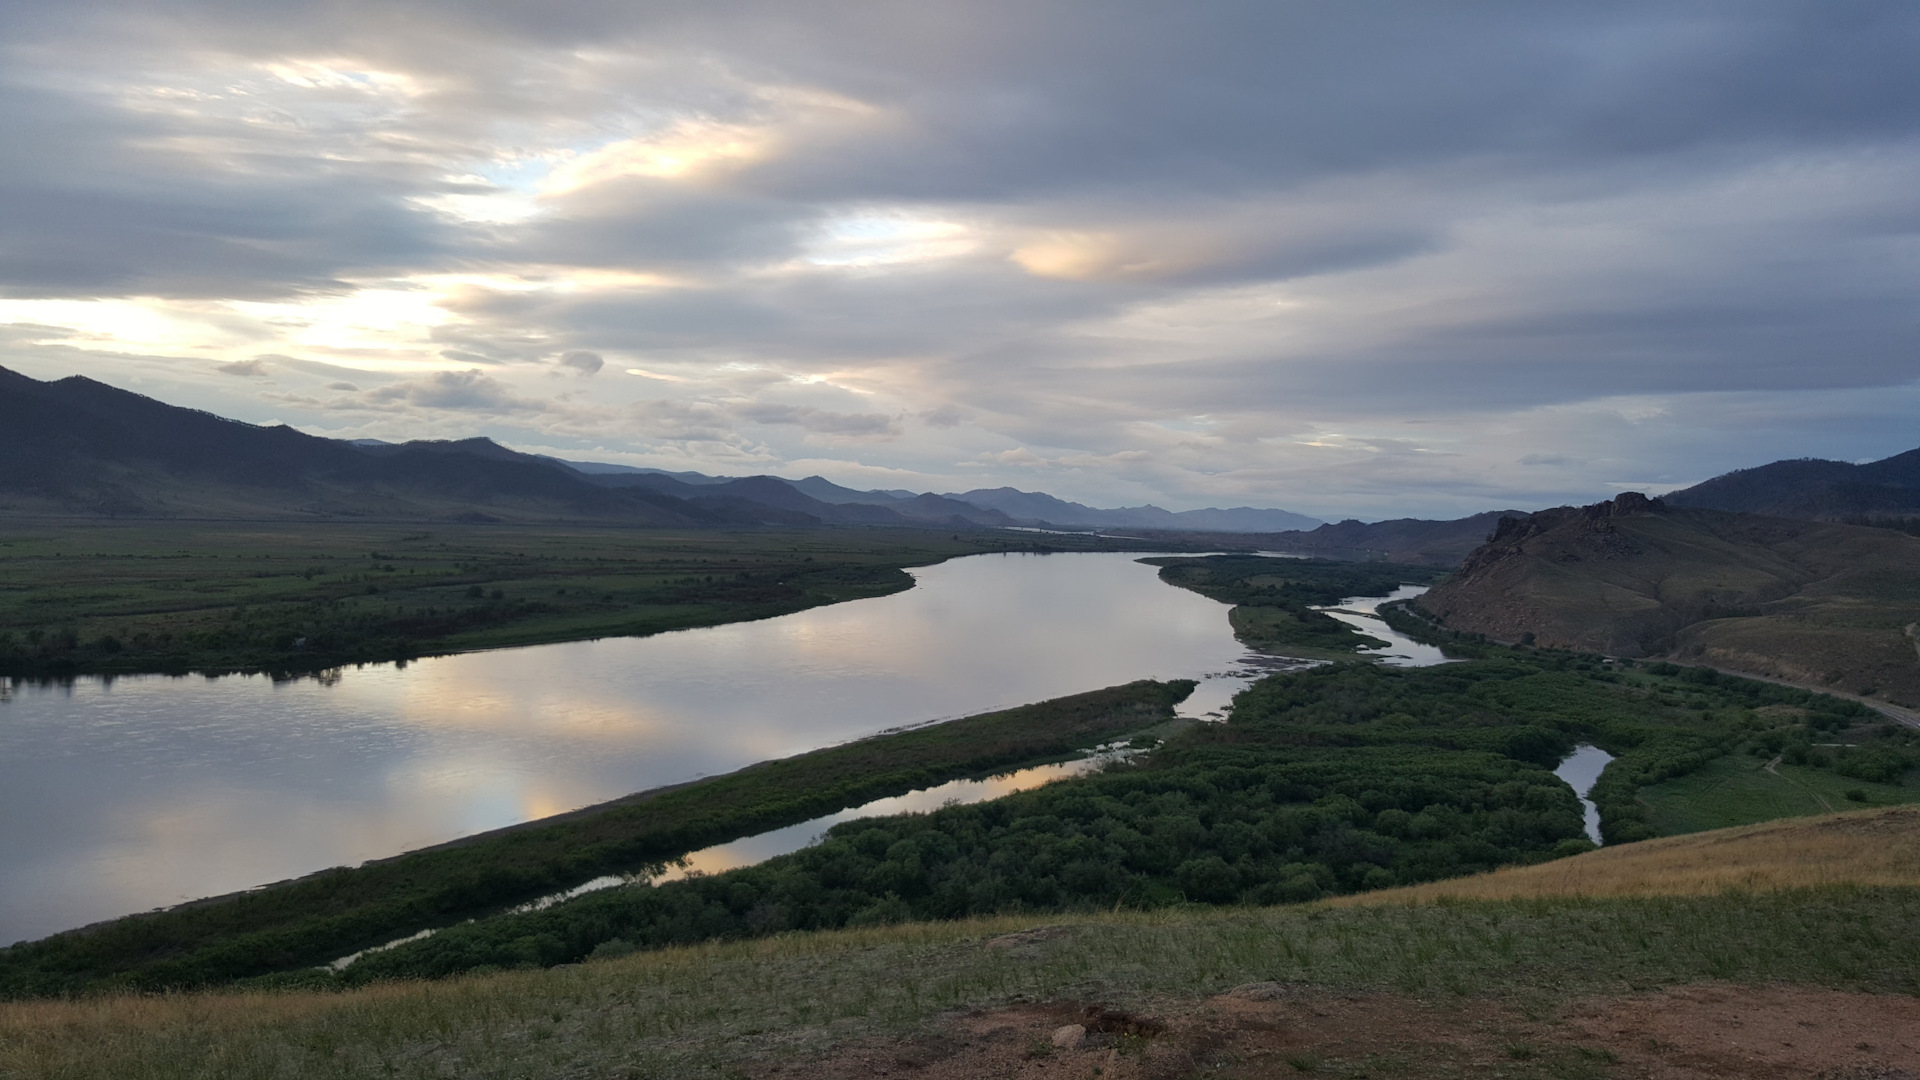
column 1274, row 600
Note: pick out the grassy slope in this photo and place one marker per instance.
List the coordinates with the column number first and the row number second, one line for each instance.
column 1879, row 848
column 720, row 1010
column 314, row 919
column 215, row 596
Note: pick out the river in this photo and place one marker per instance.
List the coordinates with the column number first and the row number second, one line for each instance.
column 121, row 795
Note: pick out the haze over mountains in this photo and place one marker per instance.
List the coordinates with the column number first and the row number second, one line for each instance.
column 79, row 446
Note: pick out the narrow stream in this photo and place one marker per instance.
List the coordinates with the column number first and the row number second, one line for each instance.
column 750, row 850
column 1581, row 771
column 1363, row 614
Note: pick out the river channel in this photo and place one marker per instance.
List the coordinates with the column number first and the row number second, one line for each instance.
column 122, row 795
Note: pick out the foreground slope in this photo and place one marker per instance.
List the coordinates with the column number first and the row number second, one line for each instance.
column 1813, row 602
column 1756, row 983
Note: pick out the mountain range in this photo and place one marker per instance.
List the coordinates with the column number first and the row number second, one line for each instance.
column 76, row 445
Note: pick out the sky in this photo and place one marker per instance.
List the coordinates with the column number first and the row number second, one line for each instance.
column 1352, row 260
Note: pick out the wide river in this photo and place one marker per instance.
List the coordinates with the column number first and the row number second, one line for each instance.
column 133, row 793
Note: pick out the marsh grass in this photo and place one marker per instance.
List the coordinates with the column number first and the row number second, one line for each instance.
column 710, row 1010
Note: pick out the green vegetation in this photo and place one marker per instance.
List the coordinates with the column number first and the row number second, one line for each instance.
column 114, row 598
column 1274, row 598
column 323, row 916
column 1740, row 789
column 1340, row 779
column 729, row 1009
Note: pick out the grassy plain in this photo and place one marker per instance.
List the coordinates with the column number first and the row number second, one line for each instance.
column 1743, row 788
column 323, row 916
column 127, row 597
column 760, row 1007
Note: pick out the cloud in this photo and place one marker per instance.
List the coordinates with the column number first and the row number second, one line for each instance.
column 946, row 416
column 581, row 361
column 819, row 421
column 1345, row 259
column 463, row 390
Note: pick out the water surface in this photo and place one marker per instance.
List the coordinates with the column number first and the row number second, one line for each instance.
column 127, row 794
column 1581, row 771
column 1362, row 613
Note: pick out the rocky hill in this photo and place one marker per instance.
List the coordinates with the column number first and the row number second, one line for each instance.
column 1819, row 603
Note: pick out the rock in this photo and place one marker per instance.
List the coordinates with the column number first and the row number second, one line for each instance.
column 1069, row 1037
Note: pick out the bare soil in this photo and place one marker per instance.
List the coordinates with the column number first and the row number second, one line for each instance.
column 1276, row 1030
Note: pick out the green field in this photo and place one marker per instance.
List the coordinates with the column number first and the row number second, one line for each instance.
column 118, row 597
column 1739, row 789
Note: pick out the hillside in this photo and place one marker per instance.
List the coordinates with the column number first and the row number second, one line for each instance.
column 1814, row 489
column 1666, row 984
column 77, row 446
column 1865, row 847
column 1816, row 603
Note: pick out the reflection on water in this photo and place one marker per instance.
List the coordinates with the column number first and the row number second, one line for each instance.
column 1581, row 771
column 132, row 793
column 1362, row 613
column 128, row 794
column 752, row 850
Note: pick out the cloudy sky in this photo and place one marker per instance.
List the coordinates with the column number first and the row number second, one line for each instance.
column 1353, row 259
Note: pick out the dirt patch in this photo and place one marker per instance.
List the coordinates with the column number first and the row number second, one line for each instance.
column 1282, row 1030
column 1779, row 1031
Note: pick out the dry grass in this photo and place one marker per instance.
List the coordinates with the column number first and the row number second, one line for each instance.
column 1867, row 847
column 724, row 1010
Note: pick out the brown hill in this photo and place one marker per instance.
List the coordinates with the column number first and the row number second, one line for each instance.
column 1812, row 602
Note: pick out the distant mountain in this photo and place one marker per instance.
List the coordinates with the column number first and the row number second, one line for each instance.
column 1037, row 508
column 80, row 446
column 1402, row 540
column 1813, row 489
column 1818, row 603
column 601, row 468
